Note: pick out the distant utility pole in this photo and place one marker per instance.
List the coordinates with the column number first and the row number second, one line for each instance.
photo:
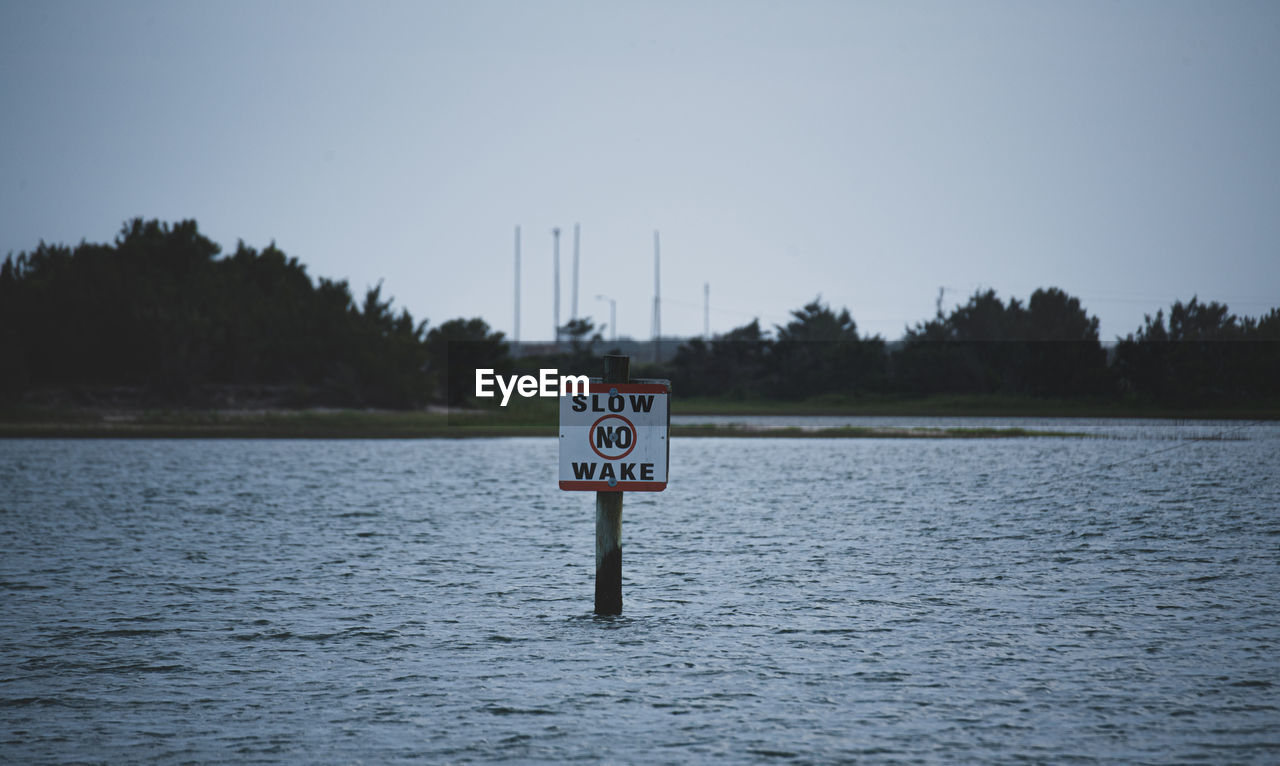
column 574, row 307
column 706, row 311
column 555, row 235
column 613, row 316
column 516, row 335
column 657, row 300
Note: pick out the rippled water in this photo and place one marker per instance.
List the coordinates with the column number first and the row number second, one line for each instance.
column 787, row 601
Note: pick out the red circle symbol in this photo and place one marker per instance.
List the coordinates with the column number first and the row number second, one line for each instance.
column 610, row 437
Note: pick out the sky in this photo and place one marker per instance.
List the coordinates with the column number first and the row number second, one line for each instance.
column 867, row 153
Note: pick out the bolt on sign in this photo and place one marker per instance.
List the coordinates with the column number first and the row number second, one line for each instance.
column 615, row 438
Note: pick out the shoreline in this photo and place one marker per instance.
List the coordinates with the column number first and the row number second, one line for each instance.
column 538, row 421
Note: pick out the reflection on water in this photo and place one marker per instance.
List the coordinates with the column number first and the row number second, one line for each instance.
column 803, row 601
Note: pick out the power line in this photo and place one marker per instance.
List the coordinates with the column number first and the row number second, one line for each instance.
column 720, row 310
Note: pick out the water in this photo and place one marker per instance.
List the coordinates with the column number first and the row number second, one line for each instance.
column 787, row 601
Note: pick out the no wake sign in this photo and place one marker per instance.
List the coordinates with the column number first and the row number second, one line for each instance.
column 615, row 437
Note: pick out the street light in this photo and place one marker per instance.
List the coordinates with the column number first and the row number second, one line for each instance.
column 613, row 316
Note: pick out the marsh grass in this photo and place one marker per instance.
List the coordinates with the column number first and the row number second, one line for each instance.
column 969, row 406
column 379, row 424
column 539, row 417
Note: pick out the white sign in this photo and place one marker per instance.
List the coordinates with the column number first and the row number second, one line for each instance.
column 615, row 438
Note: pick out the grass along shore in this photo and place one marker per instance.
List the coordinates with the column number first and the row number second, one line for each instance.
column 980, row 406
column 358, row 424
column 537, row 418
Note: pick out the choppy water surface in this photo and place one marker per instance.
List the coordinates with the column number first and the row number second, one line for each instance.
column 787, row 601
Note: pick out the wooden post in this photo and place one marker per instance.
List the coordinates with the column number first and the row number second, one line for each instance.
column 617, row 369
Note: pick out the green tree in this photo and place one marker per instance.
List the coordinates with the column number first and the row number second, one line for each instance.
column 1063, row 355
column 957, row 353
column 1205, row 355
column 819, row 352
column 159, row 309
column 733, row 364
column 1049, row 347
column 582, row 358
column 457, row 348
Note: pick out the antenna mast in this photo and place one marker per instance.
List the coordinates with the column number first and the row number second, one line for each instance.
column 516, row 335
column 706, row 311
column 555, row 234
column 657, row 300
column 574, row 305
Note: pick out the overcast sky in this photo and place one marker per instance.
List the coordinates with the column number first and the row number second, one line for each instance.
column 867, row 152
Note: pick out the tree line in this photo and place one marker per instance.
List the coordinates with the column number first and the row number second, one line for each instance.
column 1048, row 347
column 161, row 309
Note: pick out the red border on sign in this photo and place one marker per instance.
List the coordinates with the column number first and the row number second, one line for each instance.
column 591, row 432
column 622, row 486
